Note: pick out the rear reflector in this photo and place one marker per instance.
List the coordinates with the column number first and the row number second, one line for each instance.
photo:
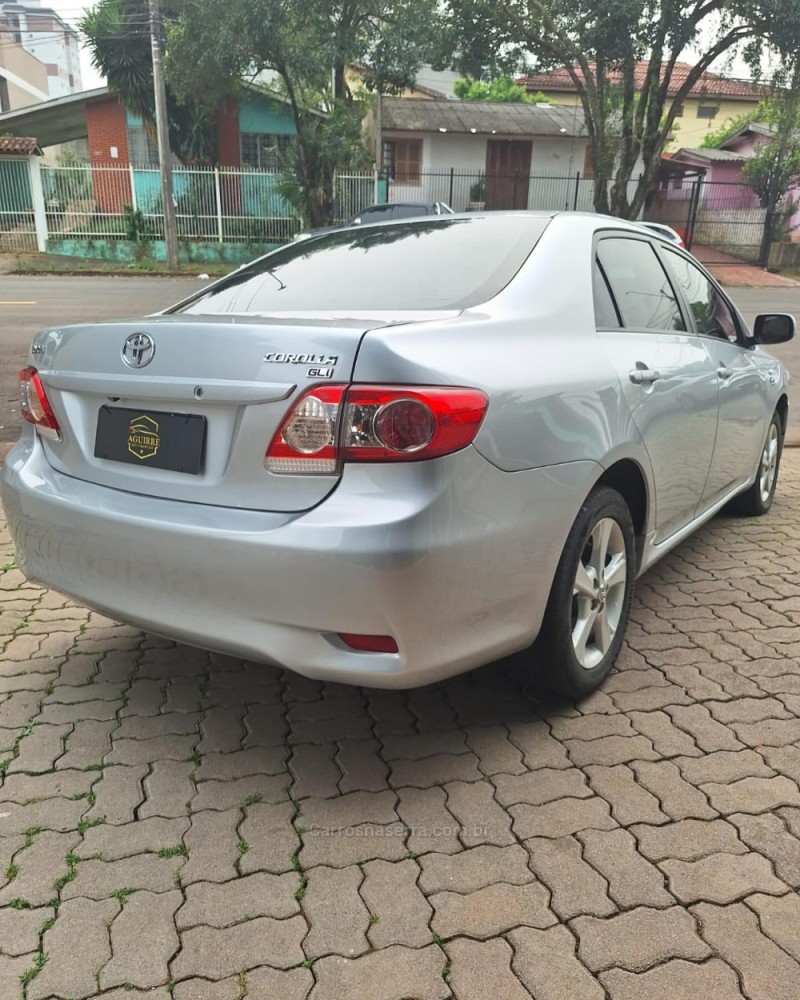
column 369, row 643
column 35, row 406
column 361, row 423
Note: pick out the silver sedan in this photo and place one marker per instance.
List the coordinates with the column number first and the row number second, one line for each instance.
column 392, row 453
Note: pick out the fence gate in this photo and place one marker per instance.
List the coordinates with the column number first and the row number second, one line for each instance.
column 721, row 222
column 17, row 220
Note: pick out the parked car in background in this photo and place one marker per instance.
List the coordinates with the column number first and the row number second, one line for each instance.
column 389, row 212
column 665, row 232
column 400, row 451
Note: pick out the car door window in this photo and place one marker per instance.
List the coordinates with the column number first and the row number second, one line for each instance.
column 640, row 286
column 409, row 211
column 381, row 213
column 712, row 314
column 605, row 311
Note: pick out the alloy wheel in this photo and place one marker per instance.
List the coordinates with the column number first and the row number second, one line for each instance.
column 598, row 594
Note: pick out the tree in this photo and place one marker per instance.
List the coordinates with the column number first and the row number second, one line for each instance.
column 503, row 89
column 306, row 46
column 118, row 32
column 774, row 167
column 713, row 139
column 628, row 114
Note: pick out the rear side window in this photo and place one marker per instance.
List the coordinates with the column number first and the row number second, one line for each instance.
column 640, row 286
column 409, row 211
column 448, row 262
column 712, row 314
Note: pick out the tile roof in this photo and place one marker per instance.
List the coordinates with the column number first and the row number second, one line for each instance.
column 11, row 145
column 709, row 84
column 484, row 117
column 713, row 155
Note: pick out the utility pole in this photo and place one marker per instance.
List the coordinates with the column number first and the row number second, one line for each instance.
column 162, row 130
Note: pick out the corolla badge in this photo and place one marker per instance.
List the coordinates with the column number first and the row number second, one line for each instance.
column 138, row 350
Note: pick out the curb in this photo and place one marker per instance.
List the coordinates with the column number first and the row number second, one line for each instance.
column 28, row 272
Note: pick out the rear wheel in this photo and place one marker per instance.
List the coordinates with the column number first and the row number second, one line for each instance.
column 757, row 500
column 590, row 598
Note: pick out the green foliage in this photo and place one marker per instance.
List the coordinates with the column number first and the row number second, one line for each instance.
column 307, row 45
column 713, row 139
column 502, row 89
column 629, row 115
column 136, row 227
column 118, row 35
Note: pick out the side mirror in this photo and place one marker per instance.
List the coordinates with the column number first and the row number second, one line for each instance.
column 773, row 328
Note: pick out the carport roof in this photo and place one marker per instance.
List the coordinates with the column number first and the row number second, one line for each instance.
column 403, row 114
column 60, row 120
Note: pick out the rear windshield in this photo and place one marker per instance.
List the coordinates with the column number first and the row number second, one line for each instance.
column 441, row 263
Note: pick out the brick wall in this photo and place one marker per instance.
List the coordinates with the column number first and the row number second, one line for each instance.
column 108, row 130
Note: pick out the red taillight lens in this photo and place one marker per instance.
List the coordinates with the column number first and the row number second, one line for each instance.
column 395, row 423
column 35, row 406
column 363, row 423
column 369, row 643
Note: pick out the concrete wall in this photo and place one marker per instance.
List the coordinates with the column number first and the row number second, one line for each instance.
column 127, row 253
column 25, row 76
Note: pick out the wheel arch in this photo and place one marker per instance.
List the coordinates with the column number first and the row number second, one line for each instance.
column 782, row 409
column 628, row 479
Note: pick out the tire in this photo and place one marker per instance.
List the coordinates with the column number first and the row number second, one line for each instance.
column 574, row 652
column 757, row 499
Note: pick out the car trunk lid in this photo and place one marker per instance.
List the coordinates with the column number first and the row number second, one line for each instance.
column 206, row 405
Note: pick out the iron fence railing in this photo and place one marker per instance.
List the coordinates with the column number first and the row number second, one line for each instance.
column 89, row 201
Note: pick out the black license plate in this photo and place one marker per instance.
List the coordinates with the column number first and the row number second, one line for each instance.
column 173, row 441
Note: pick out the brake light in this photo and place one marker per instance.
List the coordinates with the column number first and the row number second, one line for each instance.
column 35, row 406
column 362, row 423
column 369, row 643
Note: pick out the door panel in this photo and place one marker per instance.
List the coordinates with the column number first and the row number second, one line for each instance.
column 508, row 167
column 742, row 418
column 676, row 415
column 667, row 376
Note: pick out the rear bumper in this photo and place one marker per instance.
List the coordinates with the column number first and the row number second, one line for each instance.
column 453, row 558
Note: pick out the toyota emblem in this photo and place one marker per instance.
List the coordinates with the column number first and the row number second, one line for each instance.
column 138, row 350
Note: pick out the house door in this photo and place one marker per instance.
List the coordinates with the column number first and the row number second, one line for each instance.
column 508, row 168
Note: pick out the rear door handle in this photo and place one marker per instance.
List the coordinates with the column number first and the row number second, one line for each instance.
column 724, row 372
column 643, row 376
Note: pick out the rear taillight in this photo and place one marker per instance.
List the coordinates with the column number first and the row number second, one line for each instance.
column 35, row 405
column 363, row 423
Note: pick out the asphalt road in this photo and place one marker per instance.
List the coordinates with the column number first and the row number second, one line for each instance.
column 29, row 304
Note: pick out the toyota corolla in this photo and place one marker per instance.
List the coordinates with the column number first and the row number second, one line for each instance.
column 392, row 453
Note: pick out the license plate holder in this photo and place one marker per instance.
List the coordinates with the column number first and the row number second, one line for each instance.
column 154, row 438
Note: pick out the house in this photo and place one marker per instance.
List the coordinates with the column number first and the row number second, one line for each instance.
column 502, row 156
column 712, row 101
column 252, row 130
column 47, row 37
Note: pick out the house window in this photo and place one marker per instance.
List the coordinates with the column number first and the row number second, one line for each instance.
column 677, row 183
column 679, row 111
column 142, row 146
column 263, row 150
column 707, row 111
column 402, row 159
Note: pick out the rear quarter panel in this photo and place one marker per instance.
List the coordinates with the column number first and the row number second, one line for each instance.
column 533, row 349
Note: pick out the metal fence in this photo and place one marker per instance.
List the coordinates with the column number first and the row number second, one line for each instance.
column 86, row 201
column 721, row 221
